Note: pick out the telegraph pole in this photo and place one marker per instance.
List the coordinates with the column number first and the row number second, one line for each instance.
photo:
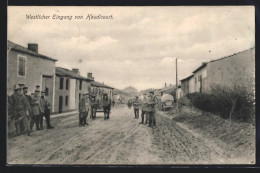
column 176, row 83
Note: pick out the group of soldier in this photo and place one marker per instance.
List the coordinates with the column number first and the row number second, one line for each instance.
column 25, row 110
column 90, row 103
column 147, row 108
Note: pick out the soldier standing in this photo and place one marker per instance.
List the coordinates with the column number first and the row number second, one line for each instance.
column 87, row 109
column 136, row 104
column 47, row 110
column 21, row 111
column 151, row 109
column 82, row 110
column 106, row 102
column 35, row 108
column 144, row 109
column 42, row 109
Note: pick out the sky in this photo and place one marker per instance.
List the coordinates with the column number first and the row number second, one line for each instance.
column 139, row 46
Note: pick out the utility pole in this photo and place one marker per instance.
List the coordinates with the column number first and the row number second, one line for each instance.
column 176, row 83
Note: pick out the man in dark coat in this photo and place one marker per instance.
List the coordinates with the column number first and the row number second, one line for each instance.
column 83, row 109
column 136, row 105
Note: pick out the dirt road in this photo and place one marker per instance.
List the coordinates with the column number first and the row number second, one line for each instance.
column 119, row 140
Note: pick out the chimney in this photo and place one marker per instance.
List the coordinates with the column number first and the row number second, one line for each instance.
column 90, row 76
column 165, row 84
column 33, row 47
column 76, row 70
column 203, row 63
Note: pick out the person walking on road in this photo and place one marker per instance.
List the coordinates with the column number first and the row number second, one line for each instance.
column 136, row 104
column 41, row 106
column 87, row 109
column 151, row 109
column 21, row 111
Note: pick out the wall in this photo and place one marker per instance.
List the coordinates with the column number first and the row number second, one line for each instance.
column 238, row 69
column 202, row 72
column 185, row 87
column 35, row 67
column 61, row 92
column 72, row 97
column 192, row 85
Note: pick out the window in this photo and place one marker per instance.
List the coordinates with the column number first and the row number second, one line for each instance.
column 61, row 83
column 21, row 65
column 66, row 100
column 46, row 91
column 67, row 84
column 80, row 84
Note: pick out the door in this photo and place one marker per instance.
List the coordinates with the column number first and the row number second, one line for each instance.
column 60, row 104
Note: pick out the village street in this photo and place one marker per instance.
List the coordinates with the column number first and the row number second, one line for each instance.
column 120, row 140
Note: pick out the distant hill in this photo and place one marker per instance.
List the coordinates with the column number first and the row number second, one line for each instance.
column 131, row 90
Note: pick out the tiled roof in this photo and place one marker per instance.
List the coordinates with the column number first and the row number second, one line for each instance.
column 98, row 84
column 69, row 73
column 19, row 48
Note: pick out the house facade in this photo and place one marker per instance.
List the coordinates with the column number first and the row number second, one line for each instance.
column 69, row 87
column 26, row 66
column 237, row 69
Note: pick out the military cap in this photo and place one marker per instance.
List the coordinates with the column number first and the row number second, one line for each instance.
column 136, row 96
column 25, row 87
column 42, row 92
column 151, row 92
column 17, row 87
column 36, row 90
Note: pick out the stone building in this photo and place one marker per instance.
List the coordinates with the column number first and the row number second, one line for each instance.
column 69, row 87
column 234, row 70
column 26, row 66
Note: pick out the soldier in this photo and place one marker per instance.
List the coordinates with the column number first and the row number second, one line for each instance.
column 46, row 109
column 136, row 105
column 94, row 106
column 21, row 111
column 151, row 109
column 42, row 108
column 35, row 108
column 87, row 109
column 106, row 102
column 82, row 110
column 144, row 108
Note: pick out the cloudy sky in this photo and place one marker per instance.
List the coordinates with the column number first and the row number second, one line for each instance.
column 139, row 45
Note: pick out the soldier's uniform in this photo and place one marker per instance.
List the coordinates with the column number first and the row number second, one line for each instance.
column 11, row 126
column 151, row 110
column 82, row 110
column 106, row 102
column 47, row 112
column 42, row 110
column 35, row 109
column 144, row 109
column 21, row 112
column 94, row 105
column 136, row 105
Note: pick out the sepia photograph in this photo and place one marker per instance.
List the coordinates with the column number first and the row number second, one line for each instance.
column 131, row 85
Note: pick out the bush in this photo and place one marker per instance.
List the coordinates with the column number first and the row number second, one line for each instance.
column 236, row 102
